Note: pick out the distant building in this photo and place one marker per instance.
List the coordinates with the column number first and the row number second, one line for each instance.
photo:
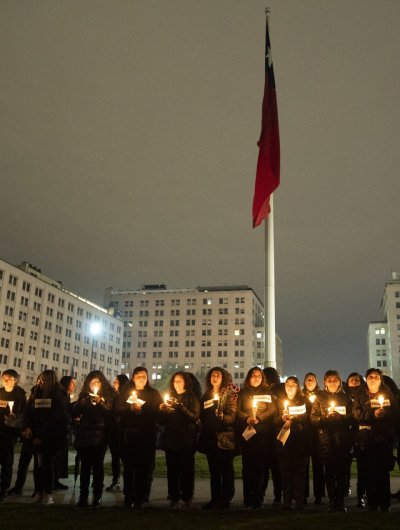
column 44, row 326
column 384, row 336
column 191, row 329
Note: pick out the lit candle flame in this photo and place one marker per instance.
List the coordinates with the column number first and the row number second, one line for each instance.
column 312, row 398
column 166, row 398
column 134, row 396
column 285, row 405
column 216, row 397
column 95, row 389
column 332, row 407
column 254, row 407
column 11, row 405
column 381, row 399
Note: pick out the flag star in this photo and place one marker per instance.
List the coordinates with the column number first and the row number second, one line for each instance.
column 269, row 57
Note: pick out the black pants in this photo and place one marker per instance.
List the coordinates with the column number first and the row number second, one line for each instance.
column 273, row 466
column 7, row 445
column 180, row 474
column 25, row 458
column 138, row 464
column 222, row 475
column 293, row 471
column 376, row 460
column 44, row 471
column 336, row 475
column 115, row 459
column 318, row 476
column 255, row 454
column 92, row 460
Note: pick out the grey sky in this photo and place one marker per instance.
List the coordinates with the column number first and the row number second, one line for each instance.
column 128, row 153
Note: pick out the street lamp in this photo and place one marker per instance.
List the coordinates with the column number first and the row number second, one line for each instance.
column 95, row 329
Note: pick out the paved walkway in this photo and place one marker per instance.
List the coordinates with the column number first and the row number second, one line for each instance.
column 159, row 493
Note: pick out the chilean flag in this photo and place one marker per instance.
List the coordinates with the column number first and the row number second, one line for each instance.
column 268, row 164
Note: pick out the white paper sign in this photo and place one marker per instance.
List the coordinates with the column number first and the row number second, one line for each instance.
column 209, row 403
column 296, row 411
column 340, row 410
column 376, row 405
column 283, row 435
column 43, row 403
column 248, row 433
column 133, row 399
column 263, row 399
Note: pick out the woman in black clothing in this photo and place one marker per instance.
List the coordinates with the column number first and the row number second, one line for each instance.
column 310, row 391
column 332, row 416
column 92, row 410
column 354, row 383
column 217, row 415
column 376, row 412
column 180, row 414
column 119, row 382
column 293, row 443
column 256, row 411
column 46, row 419
column 137, row 408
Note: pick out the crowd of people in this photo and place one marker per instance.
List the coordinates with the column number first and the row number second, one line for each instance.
column 278, row 429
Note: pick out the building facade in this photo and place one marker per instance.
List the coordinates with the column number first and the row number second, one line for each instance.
column 384, row 336
column 191, row 329
column 44, row 326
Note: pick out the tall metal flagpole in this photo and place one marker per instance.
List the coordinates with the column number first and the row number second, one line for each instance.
column 269, row 290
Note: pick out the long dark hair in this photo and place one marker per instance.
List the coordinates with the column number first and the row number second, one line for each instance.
column 46, row 383
column 296, row 380
column 226, row 377
column 186, row 379
column 246, row 383
column 106, row 389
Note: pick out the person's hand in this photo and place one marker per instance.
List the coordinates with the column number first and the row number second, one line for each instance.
column 288, row 423
column 27, row 433
column 95, row 399
column 135, row 407
column 251, row 421
column 37, row 441
column 285, row 417
column 379, row 413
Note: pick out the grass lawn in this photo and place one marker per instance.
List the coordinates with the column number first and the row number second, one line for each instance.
column 67, row 517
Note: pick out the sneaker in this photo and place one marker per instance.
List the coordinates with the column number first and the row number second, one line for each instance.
column 59, row 486
column 96, row 503
column 113, row 486
column 47, row 500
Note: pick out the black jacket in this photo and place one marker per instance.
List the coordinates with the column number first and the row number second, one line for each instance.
column 299, row 439
column 94, row 421
column 266, row 410
column 334, row 432
column 210, row 423
column 181, row 421
column 18, row 396
column 138, row 428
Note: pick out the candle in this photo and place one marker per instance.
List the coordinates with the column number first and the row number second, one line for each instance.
column 95, row 389
column 332, row 407
column 166, row 398
column 11, row 405
column 285, row 407
column 312, row 398
column 254, row 408
column 381, row 399
column 134, row 396
column 216, row 397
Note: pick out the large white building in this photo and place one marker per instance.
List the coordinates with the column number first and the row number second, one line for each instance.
column 384, row 336
column 191, row 329
column 44, row 326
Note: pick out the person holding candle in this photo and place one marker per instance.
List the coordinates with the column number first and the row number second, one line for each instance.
column 293, row 416
column 137, row 409
column 12, row 404
column 256, row 410
column 93, row 409
column 311, row 391
column 352, row 386
column 119, row 381
column 376, row 412
column 331, row 415
column 217, row 414
column 180, row 414
column 45, row 422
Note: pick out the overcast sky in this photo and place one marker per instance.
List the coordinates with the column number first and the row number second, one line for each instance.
column 128, row 153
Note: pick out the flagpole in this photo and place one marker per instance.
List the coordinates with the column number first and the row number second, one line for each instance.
column 269, row 289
